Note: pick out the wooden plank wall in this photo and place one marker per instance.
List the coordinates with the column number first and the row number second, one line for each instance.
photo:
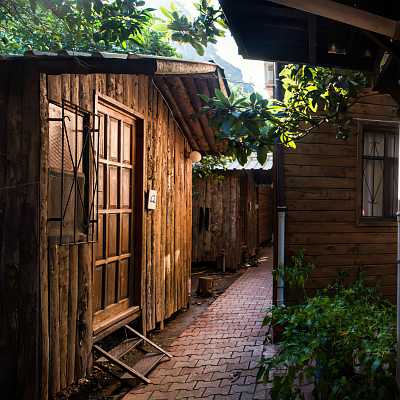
column 249, row 244
column 224, row 236
column 167, row 229
column 321, row 180
column 221, row 196
column 19, row 233
column 69, row 328
column 264, row 214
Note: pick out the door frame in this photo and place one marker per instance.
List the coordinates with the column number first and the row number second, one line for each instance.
column 138, row 228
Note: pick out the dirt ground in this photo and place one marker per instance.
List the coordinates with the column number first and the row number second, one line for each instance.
column 101, row 385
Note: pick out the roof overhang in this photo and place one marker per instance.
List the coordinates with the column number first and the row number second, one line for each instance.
column 179, row 81
column 314, row 32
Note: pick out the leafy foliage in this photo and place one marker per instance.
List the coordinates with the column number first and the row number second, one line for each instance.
column 111, row 25
column 313, row 95
column 72, row 24
column 342, row 343
column 198, row 32
column 154, row 43
column 296, row 272
column 210, row 165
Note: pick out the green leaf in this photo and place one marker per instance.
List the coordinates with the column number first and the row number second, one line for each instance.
column 166, row 12
column 262, row 154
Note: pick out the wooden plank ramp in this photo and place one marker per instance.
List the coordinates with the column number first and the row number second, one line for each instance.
column 143, row 366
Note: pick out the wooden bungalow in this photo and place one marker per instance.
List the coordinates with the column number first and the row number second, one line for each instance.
column 340, row 198
column 335, row 199
column 232, row 214
column 95, row 204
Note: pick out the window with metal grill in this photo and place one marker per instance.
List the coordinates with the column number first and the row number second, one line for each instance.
column 380, row 146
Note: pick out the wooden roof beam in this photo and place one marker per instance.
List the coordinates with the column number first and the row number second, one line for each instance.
column 347, row 15
column 183, row 101
column 183, row 67
column 193, row 91
column 163, row 87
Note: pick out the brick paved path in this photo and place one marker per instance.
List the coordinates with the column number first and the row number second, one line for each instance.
column 217, row 356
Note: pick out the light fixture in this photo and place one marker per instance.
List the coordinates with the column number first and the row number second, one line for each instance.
column 195, row 156
column 368, row 53
column 333, row 49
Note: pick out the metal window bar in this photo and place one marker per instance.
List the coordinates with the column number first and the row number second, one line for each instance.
column 87, row 157
column 387, row 210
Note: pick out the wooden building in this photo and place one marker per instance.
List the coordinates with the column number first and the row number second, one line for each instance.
column 341, row 197
column 325, row 185
column 95, row 204
column 232, row 214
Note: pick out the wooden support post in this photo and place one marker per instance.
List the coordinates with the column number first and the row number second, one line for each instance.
column 85, row 329
column 54, row 266
column 43, row 249
column 72, row 311
column 63, row 285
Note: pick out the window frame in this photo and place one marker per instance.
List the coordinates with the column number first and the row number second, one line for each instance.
column 377, row 125
column 82, row 220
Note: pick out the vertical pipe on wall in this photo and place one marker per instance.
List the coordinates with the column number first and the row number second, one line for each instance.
column 281, row 254
column 398, row 276
column 280, row 197
column 398, row 299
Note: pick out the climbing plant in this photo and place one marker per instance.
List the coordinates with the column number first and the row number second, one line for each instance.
column 312, row 96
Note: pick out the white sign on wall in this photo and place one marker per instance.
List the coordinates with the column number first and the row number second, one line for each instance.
column 152, row 200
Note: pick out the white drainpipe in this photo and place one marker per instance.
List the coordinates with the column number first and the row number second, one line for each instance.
column 280, row 290
column 398, row 301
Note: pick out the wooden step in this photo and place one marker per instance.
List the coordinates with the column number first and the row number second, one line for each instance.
column 121, row 364
column 143, row 367
column 123, row 348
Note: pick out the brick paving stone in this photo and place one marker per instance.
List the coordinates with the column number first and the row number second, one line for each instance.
column 182, row 386
column 207, row 384
column 230, row 382
column 224, row 390
column 138, row 396
column 235, row 396
column 162, row 396
column 217, row 356
column 243, row 388
column 183, row 394
column 173, row 379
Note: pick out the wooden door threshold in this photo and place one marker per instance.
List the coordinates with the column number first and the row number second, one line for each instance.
column 104, row 329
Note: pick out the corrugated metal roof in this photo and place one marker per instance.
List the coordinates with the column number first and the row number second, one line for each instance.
column 252, row 164
column 180, row 81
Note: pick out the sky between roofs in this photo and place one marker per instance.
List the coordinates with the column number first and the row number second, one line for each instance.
column 253, row 71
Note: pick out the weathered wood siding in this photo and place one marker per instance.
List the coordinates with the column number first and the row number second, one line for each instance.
column 45, row 289
column 264, row 214
column 232, row 227
column 167, row 233
column 322, row 177
column 69, row 315
column 20, row 234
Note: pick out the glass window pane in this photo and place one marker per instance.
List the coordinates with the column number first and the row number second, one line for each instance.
column 373, row 188
column 374, row 144
column 380, row 173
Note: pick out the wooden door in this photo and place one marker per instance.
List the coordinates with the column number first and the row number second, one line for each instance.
column 113, row 278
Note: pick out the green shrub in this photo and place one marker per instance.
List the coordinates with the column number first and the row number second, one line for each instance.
column 342, row 342
column 296, row 272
